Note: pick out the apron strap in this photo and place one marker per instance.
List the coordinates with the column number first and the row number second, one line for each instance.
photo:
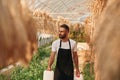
column 69, row 44
column 61, row 43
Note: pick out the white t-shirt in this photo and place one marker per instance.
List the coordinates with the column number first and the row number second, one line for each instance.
column 64, row 45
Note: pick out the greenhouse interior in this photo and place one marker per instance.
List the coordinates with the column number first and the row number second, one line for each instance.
column 31, row 31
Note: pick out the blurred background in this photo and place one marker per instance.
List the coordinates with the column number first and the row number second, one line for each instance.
column 28, row 28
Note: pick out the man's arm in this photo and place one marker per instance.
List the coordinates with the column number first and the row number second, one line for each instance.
column 51, row 60
column 75, row 57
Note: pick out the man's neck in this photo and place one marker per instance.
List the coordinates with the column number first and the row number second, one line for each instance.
column 65, row 39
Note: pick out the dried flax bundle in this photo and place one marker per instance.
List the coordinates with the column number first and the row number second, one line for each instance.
column 107, row 66
column 17, row 33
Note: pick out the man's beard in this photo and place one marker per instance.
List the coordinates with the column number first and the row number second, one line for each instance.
column 62, row 36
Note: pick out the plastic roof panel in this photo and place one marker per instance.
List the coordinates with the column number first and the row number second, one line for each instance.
column 70, row 9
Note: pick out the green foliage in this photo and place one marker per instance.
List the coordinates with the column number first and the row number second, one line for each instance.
column 3, row 77
column 87, row 74
column 35, row 70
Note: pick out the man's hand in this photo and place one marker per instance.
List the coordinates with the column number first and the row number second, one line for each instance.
column 48, row 68
column 77, row 73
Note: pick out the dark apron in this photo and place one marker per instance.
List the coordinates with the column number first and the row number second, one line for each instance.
column 64, row 64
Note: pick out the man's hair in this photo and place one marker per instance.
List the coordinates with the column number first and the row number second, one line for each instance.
column 65, row 27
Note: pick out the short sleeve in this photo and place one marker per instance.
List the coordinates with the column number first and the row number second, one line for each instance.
column 54, row 48
column 75, row 47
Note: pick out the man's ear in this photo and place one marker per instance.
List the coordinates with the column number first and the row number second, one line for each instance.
column 67, row 31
